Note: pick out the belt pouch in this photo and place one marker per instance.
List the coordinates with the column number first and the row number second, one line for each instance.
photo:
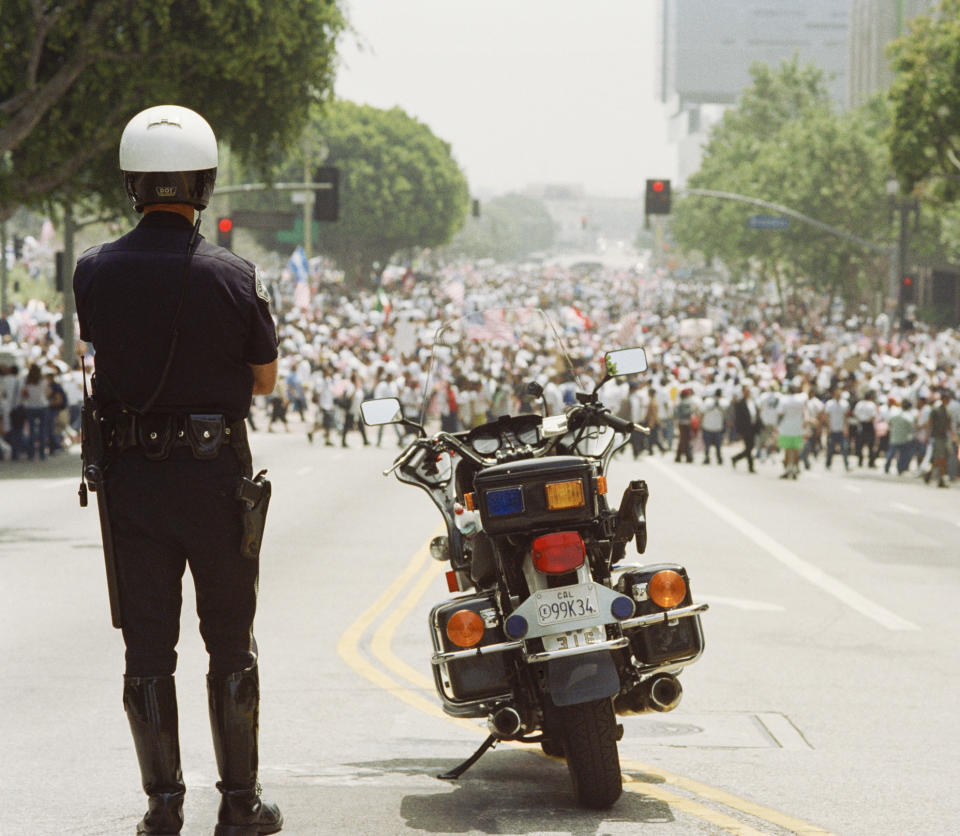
column 155, row 435
column 205, row 435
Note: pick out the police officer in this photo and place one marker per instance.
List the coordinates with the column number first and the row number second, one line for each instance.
column 183, row 338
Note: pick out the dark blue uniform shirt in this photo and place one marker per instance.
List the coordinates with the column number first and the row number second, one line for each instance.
column 127, row 293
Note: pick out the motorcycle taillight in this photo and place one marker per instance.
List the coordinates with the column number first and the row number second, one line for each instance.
column 558, row 553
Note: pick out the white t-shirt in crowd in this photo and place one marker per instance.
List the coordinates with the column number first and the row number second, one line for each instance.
column 791, row 410
column 836, row 413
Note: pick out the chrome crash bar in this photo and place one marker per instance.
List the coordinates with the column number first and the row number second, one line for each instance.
column 663, row 617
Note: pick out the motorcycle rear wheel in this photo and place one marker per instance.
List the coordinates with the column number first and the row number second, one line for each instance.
column 589, row 735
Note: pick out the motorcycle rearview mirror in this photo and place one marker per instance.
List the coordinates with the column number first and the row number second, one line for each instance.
column 624, row 361
column 382, row 411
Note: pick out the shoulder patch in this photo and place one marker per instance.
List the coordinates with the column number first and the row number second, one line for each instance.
column 260, row 287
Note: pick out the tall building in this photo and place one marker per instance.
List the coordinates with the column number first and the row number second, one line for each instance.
column 708, row 46
column 873, row 25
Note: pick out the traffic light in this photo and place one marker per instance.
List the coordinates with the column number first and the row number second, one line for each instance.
column 658, row 197
column 17, row 247
column 326, row 202
column 908, row 290
column 225, row 232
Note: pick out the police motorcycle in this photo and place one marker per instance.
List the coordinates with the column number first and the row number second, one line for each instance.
column 550, row 632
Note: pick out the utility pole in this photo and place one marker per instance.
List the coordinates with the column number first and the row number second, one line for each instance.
column 307, row 204
column 3, row 268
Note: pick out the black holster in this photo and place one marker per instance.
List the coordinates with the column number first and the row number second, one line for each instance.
column 255, row 496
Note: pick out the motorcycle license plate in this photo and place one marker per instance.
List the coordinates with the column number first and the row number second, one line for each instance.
column 573, row 638
column 566, row 603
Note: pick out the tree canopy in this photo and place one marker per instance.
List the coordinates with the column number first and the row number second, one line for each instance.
column 73, row 72
column 925, row 130
column 784, row 143
column 400, row 187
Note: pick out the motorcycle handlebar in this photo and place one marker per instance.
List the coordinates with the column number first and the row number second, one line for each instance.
column 621, row 425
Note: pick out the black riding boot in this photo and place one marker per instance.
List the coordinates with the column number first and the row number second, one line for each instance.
column 234, row 720
column 151, row 706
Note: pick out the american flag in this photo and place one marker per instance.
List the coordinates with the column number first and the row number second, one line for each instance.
column 494, row 327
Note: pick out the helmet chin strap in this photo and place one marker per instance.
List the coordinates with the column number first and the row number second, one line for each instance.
column 195, row 233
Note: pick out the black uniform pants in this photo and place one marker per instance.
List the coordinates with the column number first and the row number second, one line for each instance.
column 165, row 515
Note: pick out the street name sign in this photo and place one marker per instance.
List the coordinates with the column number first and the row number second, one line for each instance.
column 768, row 222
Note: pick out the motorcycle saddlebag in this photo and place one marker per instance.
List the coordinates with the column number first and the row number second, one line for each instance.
column 477, row 677
column 513, row 498
column 661, row 643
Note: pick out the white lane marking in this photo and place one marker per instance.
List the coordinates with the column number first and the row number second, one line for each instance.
column 852, row 489
column 303, row 471
column 741, row 603
column 59, row 483
column 909, row 509
column 337, row 456
column 813, row 574
column 784, row 733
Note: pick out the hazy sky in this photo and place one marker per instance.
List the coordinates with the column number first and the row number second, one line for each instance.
column 525, row 91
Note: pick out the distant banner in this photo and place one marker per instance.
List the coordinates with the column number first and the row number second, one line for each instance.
column 696, row 328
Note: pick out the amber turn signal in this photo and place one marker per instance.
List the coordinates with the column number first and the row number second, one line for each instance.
column 667, row 589
column 465, row 628
column 562, row 495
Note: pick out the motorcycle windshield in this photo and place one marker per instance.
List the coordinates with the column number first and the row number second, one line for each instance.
column 500, row 361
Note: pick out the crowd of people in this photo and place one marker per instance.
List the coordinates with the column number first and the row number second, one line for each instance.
column 726, row 368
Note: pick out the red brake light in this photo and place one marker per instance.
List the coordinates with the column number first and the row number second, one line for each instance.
column 556, row 554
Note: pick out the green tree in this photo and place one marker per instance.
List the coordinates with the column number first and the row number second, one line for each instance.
column 73, row 72
column 510, row 227
column 925, row 132
column 785, row 144
column 400, row 187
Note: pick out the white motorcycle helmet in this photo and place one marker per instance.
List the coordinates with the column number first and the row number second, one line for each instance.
column 168, row 154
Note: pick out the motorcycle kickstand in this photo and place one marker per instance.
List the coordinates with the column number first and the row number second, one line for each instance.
column 457, row 771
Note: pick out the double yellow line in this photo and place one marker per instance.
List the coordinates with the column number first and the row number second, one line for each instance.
column 399, row 679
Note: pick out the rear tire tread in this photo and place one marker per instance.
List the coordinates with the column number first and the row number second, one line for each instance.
column 589, row 733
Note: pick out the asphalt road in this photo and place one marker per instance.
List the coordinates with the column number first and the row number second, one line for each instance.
column 825, row 701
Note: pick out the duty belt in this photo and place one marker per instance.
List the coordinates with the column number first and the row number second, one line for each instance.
column 157, row 434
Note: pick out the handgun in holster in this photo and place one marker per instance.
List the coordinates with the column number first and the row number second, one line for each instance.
column 255, row 495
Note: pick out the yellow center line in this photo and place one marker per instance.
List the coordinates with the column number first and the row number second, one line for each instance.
column 722, row 797
column 381, row 646
column 348, row 647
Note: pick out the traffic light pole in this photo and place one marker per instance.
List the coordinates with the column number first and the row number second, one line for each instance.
column 904, row 207
column 890, row 250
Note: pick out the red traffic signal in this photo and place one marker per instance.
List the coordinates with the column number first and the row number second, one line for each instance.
column 225, row 232
column 657, row 197
column 908, row 290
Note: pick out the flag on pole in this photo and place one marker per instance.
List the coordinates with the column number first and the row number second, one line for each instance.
column 298, row 265
column 383, row 305
column 301, row 272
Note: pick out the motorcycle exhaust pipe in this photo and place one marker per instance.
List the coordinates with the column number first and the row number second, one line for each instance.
column 505, row 722
column 659, row 693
